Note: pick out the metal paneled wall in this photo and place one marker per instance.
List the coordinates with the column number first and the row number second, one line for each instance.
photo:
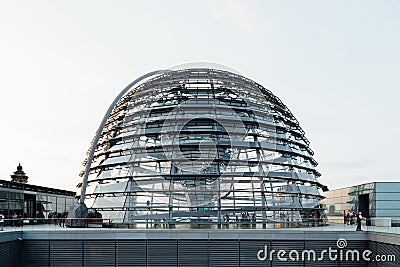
column 10, row 254
column 162, row 253
column 193, row 253
column 224, row 252
column 286, row 245
column 378, row 248
column 37, row 252
column 173, row 252
column 64, row 253
column 248, row 248
column 99, row 253
column 131, row 253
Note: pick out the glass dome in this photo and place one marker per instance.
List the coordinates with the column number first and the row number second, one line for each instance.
column 200, row 145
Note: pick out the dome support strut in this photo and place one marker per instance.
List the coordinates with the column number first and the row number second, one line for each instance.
column 102, row 124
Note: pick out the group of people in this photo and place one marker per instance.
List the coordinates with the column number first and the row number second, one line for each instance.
column 245, row 217
column 58, row 218
column 17, row 220
column 353, row 218
column 349, row 219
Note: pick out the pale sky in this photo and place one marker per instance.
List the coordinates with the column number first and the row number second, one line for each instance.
column 335, row 64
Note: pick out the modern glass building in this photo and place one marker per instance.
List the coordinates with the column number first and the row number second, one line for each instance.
column 200, row 146
column 376, row 201
column 32, row 201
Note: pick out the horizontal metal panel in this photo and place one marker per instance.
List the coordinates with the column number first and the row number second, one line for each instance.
column 15, row 253
column 224, row 252
column 10, row 253
column 385, row 249
column 131, row 253
column 249, row 250
column 66, row 253
column 161, row 253
column 320, row 245
column 192, row 253
column 5, row 256
column 99, row 253
column 36, row 253
column 286, row 245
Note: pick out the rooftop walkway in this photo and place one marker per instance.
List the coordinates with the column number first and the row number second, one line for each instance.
column 328, row 228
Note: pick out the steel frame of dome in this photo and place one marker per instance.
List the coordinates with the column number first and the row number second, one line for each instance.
column 191, row 146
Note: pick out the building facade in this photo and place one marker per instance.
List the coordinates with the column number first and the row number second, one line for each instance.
column 32, row 201
column 375, row 200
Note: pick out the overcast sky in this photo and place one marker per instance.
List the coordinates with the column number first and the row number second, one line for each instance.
column 335, row 64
